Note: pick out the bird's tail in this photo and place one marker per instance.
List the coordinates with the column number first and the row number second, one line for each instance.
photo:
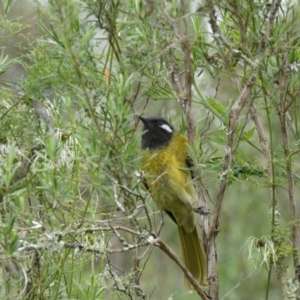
column 193, row 256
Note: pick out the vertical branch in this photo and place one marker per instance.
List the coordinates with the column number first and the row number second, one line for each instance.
column 263, row 143
column 273, row 201
column 268, row 154
column 282, row 112
column 184, row 90
column 230, row 145
column 186, row 102
column 229, row 151
column 237, row 107
column 230, row 148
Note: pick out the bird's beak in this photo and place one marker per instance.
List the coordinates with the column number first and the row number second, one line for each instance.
column 142, row 119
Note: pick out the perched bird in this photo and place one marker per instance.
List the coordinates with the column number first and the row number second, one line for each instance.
column 168, row 178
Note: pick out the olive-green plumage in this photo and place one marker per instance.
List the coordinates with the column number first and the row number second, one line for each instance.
column 168, row 178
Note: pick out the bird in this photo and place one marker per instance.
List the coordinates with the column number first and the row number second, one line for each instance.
column 168, row 177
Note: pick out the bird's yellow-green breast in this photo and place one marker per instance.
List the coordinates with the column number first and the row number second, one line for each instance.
column 169, row 179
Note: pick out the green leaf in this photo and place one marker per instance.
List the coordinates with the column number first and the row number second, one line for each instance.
column 218, row 137
column 216, row 108
column 248, row 134
column 86, row 38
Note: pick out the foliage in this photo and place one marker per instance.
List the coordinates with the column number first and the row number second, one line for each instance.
column 76, row 222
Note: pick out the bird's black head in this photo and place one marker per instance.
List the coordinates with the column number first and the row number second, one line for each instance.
column 157, row 132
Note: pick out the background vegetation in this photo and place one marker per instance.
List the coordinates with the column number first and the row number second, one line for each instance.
column 76, row 222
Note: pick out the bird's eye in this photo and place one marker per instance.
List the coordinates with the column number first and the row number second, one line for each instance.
column 160, row 123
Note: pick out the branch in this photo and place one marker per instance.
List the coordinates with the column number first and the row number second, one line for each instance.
column 165, row 248
column 234, row 116
column 229, row 151
column 262, row 140
column 184, row 91
column 231, row 144
column 186, row 102
column 282, row 112
column 221, row 40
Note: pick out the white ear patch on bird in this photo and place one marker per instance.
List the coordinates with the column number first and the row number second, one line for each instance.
column 166, row 127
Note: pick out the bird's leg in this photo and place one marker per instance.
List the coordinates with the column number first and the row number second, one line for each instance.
column 201, row 210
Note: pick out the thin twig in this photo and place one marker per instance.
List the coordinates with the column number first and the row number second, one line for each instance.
column 238, row 284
